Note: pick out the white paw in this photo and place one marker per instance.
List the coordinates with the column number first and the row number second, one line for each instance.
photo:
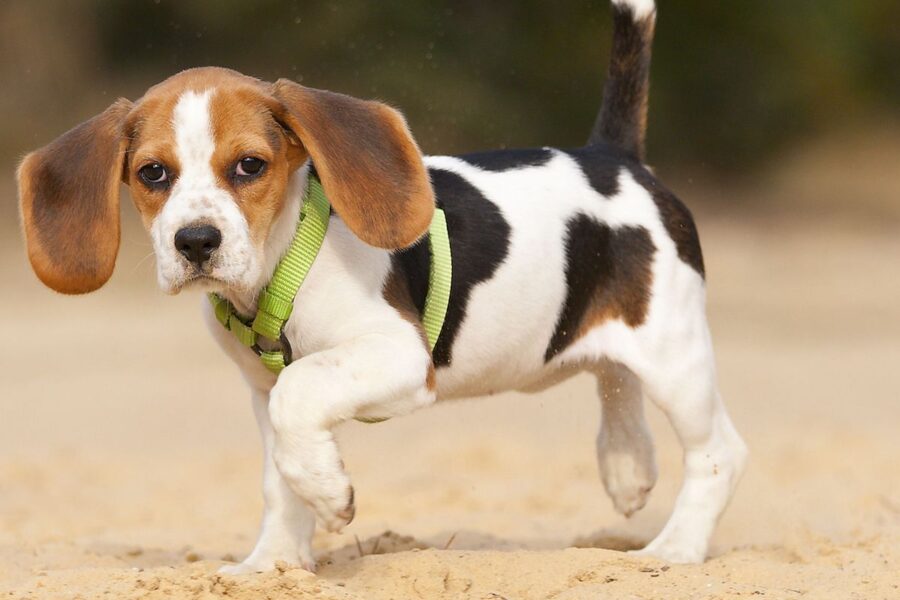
column 262, row 565
column 628, row 479
column 328, row 492
column 245, row 568
column 672, row 552
column 335, row 508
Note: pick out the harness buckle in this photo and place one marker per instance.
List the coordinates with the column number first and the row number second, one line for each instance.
column 285, row 350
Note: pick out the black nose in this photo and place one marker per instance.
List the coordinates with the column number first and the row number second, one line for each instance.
column 198, row 243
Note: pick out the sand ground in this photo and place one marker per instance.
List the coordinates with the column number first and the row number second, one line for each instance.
column 129, row 461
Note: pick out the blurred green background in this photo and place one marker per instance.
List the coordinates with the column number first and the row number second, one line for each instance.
column 734, row 84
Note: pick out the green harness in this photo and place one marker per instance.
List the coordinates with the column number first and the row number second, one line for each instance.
column 276, row 300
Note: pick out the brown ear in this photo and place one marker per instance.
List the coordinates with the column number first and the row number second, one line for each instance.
column 69, row 197
column 370, row 167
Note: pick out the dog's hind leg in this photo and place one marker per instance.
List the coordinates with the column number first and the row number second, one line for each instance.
column 683, row 385
column 624, row 443
column 288, row 523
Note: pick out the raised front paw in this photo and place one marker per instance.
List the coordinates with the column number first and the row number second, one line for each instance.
column 326, row 490
column 335, row 511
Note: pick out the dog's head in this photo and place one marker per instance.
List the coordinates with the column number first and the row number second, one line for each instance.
column 208, row 155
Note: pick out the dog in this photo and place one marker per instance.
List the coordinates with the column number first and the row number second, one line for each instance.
column 563, row 261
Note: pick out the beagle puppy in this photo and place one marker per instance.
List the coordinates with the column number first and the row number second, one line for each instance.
column 563, row 261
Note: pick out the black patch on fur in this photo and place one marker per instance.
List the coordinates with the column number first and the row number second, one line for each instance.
column 504, row 160
column 607, row 273
column 601, row 164
column 479, row 242
column 676, row 218
column 414, row 263
column 623, row 114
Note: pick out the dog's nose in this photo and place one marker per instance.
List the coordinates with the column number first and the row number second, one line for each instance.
column 198, row 243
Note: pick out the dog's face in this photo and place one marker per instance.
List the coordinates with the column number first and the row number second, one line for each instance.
column 208, row 169
column 208, row 155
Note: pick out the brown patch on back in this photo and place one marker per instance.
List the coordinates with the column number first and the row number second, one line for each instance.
column 69, row 196
column 370, row 167
column 396, row 293
column 608, row 276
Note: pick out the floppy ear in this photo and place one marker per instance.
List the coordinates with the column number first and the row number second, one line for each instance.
column 370, row 167
column 69, row 197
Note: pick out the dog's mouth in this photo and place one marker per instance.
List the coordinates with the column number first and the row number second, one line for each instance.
column 206, row 282
column 212, row 276
column 203, row 282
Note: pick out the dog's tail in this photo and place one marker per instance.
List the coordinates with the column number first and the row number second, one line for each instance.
column 623, row 115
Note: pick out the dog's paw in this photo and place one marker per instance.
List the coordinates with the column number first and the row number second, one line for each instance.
column 327, row 491
column 628, row 480
column 673, row 551
column 245, row 568
column 628, row 501
column 336, row 511
column 274, row 552
column 264, row 564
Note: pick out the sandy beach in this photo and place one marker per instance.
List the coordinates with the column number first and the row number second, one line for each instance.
column 130, row 465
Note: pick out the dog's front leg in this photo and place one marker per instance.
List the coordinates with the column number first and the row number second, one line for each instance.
column 288, row 523
column 377, row 374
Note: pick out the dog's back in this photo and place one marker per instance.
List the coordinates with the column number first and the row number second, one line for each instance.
column 548, row 245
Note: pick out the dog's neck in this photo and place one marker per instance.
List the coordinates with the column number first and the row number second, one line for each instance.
column 283, row 230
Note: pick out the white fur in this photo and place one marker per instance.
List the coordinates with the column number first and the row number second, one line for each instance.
column 624, row 444
column 288, row 523
column 640, row 8
column 196, row 198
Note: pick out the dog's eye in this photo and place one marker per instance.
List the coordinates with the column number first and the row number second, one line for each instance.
column 154, row 174
column 249, row 166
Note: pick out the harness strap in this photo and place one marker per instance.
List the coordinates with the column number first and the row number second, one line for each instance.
column 276, row 300
column 438, row 296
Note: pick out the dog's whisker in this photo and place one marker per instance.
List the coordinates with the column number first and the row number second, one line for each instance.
column 142, row 261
